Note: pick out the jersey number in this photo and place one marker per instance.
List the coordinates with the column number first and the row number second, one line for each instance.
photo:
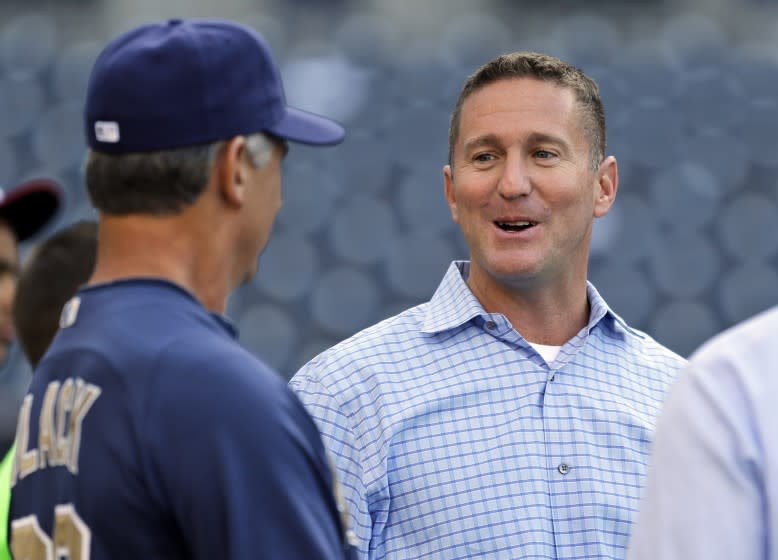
column 72, row 538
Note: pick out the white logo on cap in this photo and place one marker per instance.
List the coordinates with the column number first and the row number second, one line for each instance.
column 107, row 131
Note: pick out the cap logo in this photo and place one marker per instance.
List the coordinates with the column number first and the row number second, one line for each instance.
column 107, row 131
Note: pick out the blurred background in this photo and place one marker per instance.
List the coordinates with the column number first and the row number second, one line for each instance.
column 690, row 94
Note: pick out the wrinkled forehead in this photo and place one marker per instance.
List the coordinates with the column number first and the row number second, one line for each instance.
column 520, row 107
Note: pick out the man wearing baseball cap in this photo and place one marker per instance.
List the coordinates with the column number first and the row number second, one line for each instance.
column 177, row 442
column 24, row 211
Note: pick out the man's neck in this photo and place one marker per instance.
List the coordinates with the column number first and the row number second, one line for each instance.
column 544, row 314
column 151, row 247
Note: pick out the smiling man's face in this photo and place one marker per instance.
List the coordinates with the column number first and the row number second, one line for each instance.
column 522, row 185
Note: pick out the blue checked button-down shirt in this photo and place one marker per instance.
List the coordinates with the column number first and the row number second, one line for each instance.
column 453, row 438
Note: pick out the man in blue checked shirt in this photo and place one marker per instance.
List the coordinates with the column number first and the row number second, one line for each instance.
column 511, row 415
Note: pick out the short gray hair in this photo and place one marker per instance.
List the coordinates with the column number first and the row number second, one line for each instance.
column 161, row 182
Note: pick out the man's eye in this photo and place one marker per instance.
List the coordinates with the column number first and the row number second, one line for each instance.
column 543, row 154
column 483, row 157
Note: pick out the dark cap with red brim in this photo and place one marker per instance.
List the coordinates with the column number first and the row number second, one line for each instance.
column 28, row 207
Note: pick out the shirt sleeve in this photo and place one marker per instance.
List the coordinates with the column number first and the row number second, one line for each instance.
column 242, row 467
column 341, row 442
column 702, row 498
column 5, row 500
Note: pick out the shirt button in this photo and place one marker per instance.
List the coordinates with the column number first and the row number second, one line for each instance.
column 491, row 325
column 564, row 468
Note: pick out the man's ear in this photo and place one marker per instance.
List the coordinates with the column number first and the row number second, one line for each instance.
column 606, row 187
column 448, row 188
column 229, row 170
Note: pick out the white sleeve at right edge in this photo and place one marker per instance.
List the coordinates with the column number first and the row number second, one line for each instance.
column 703, row 498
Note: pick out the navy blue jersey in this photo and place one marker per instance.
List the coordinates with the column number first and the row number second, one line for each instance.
column 149, row 432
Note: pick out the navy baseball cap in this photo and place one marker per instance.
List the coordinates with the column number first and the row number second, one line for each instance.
column 28, row 207
column 186, row 82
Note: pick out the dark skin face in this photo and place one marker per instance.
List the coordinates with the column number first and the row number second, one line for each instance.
column 9, row 271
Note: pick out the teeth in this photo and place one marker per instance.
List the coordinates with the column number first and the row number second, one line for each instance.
column 515, row 224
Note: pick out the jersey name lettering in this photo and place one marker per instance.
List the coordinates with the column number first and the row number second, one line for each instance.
column 61, row 416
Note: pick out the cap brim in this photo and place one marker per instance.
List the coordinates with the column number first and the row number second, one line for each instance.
column 308, row 128
column 30, row 206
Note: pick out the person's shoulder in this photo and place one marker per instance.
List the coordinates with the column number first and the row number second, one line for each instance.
column 638, row 352
column 751, row 343
column 642, row 344
column 214, row 360
column 759, row 331
column 151, row 308
column 381, row 341
column 131, row 326
column 221, row 379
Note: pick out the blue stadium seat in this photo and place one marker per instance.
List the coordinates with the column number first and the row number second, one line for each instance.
column 58, row 139
column 362, row 229
column 269, row 332
column 362, row 163
column 416, row 264
column 21, row 103
column 685, row 196
column 366, row 38
column 638, row 234
column 749, row 228
column 470, row 39
column 587, row 38
column 309, row 195
column 288, row 267
column 758, row 132
column 28, row 44
column 72, row 69
column 693, row 40
column 702, row 96
column 418, row 133
column 605, row 232
column 344, row 300
column 682, row 325
column 724, row 154
column 654, row 131
column 627, row 289
column 686, row 264
column 747, row 290
column 421, row 202
column 8, row 165
column 648, row 71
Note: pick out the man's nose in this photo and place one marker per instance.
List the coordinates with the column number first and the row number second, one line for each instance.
column 515, row 180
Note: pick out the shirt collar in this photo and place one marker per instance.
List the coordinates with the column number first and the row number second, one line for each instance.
column 453, row 304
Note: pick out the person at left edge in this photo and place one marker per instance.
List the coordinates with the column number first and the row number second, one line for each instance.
column 148, row 431
column 24, row 211
column 50, row 276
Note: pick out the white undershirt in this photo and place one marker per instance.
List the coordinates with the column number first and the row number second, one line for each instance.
column 549, row 353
